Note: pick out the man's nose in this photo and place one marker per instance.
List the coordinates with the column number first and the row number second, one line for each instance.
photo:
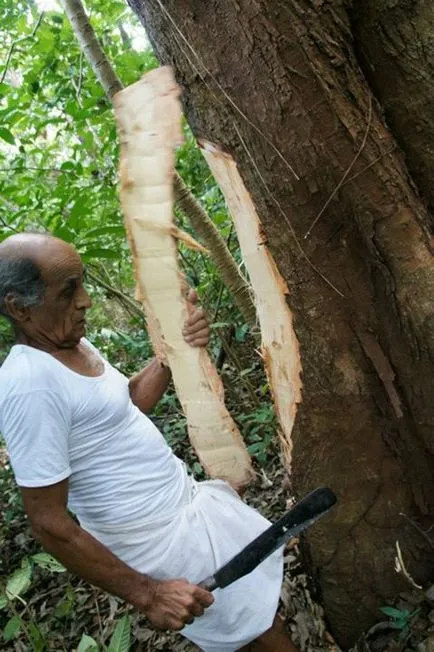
column 83, row 299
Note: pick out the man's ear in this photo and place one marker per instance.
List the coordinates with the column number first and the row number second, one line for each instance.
column 17, row 312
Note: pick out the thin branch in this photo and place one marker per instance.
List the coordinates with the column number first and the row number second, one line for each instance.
column 129, row 303
column 20, row 168
column 348, row 170
column 401, row 568
column 91, row 47
column 80, row 75
column 188, row 264
column 98, row 613
column 218, row 302
column 7, row 226
column 238, row 366
column 222, row 285
column 126, row 40
column 16, row 42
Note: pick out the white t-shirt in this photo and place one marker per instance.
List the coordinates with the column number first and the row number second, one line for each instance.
column 59, row 424
column 130, row 491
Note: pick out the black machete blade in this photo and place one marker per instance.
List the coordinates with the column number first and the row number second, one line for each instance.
column 298, row 518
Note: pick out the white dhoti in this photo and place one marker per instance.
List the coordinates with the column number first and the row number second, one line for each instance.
column 208, row 526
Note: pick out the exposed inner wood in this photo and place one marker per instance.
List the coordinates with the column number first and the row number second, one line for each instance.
column 280, row 350
column 149, row 122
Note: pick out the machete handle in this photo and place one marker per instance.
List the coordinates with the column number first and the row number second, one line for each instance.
column 209, row 584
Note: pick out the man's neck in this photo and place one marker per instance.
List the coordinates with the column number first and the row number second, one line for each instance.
column 43, row 343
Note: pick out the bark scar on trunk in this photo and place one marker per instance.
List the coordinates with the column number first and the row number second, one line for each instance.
column 383, row 368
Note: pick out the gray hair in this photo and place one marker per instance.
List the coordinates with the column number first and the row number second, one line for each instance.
column 22, row 279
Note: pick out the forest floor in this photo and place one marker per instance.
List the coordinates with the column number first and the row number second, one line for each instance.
column 64, row 607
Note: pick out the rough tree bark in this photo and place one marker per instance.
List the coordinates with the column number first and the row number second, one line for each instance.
column 395, row 43
column 264, row 75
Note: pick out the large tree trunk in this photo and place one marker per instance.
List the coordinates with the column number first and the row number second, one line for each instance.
column 395, row 43
column 360, row 285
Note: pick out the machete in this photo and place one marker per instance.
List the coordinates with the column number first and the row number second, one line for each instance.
column 298, row 518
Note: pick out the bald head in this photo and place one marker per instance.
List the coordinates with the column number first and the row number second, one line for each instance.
column 25, row 263
column 42, row 290
column 32, row 246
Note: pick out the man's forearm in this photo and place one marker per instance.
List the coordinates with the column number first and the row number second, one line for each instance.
column 83, row 555
column 149, row 385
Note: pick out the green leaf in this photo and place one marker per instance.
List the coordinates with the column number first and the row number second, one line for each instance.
column 392, row 612
column 38, row 641
column 100, row 253
column 120, row 641
column 64, row 233
column 44, row 560
column 20, row 580
column 87, row 644
column 12, row 628
column 197, row 468
column 3, row 601
column 80, row 209
column 105, row 230
column 241, row 333
column 68, row 165
column 6, row 135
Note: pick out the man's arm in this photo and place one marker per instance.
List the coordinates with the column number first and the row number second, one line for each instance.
column 149, row 385
column 168, row 604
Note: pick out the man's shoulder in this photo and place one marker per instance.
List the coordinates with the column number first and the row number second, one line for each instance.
column 14, row 373
column 23, row 371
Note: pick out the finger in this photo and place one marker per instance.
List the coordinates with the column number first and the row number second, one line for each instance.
column 197, row 609
column 199, row 344
column 193, row 338
column 192, row 296
column 204, row 597
column 195, row 317
column 176, row 624
column 200, row 333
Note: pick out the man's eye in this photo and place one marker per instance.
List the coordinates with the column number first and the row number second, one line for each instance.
column 69, row 290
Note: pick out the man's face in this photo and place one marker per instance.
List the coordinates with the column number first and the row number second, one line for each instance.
column 60, row 320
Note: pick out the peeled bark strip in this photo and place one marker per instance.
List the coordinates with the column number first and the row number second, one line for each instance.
column 148, row 115
column 280, row 350
column 186, row 201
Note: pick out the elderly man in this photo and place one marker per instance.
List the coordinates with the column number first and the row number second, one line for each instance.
column 78, row 437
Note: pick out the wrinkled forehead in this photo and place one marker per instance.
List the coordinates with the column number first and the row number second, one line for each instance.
column 58, row 261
